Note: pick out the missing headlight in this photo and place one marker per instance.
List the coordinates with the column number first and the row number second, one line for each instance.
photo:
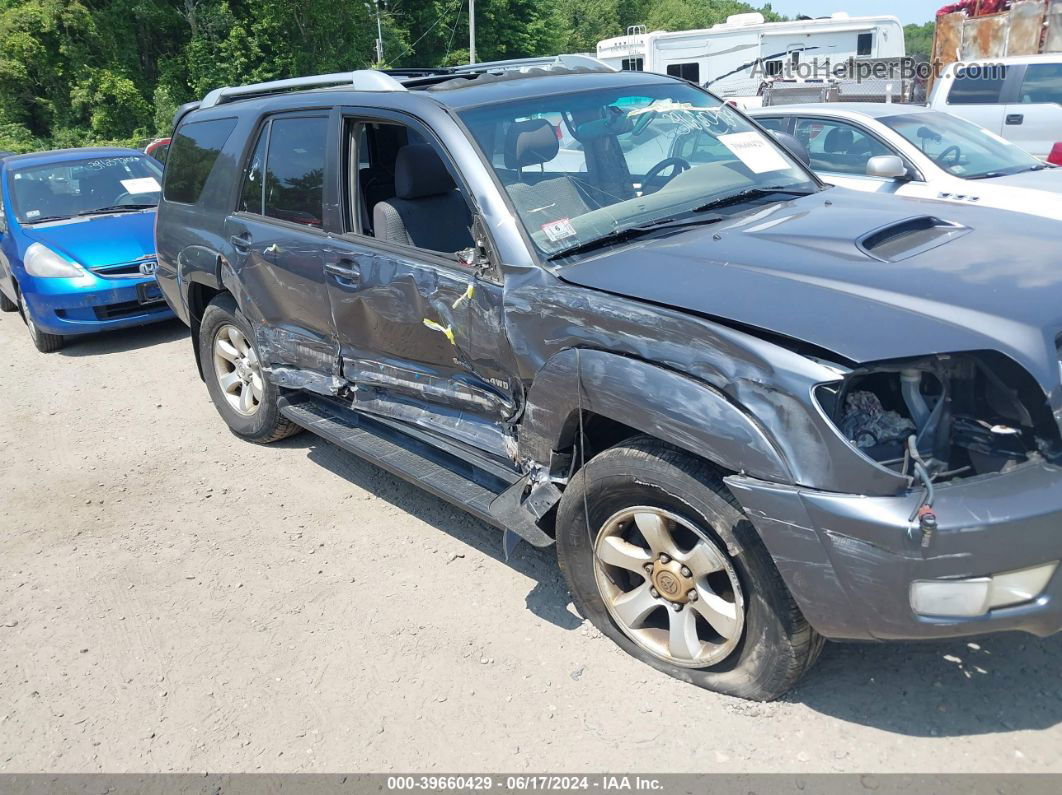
column 968, row 414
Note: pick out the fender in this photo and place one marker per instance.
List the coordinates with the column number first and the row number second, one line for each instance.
column 667, row 405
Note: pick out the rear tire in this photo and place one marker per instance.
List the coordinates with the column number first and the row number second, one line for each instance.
column 42, row 340
column 242, row 394
column 6, row 304
column 723, row 622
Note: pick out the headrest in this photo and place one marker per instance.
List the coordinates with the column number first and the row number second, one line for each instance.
column 838, row 140
column 419, row 172
column 528, row 143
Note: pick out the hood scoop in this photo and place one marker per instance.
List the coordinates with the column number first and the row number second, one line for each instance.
column 904, row 239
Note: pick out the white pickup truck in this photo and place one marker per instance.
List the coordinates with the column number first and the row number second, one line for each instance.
column 1018, row 98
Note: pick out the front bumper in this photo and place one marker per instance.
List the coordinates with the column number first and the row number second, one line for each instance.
column 849, row 560
column 92, row 303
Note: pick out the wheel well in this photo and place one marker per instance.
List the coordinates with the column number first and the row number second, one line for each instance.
column 199, row 296
column 602, row 433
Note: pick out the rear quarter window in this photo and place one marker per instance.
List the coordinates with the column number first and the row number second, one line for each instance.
column 193, row 152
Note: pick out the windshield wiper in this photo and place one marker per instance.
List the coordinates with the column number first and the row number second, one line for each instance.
column 1009, row 172
column 45, row 218
column 751, row 193
column 632, row 232
column 116, row 208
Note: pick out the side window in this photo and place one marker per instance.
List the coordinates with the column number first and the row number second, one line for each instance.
column 837, row 147
column 194, row 151
column 1042, row 83
column 251, row 194
column 405, row 189
column 294, row 174
column 978, row 85
column 774, row 123
column 773, row 68
column 633, row 64
column 864, row 43
column 687, row 71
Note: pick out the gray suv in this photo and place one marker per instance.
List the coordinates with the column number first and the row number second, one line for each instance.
column 751, row 412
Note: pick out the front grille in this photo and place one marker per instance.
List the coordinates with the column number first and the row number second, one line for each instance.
column 125, row 309
column 122, row 270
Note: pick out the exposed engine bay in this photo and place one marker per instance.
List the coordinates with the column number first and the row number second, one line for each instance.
column 949, row 416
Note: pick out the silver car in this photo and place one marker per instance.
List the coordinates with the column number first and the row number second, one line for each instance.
column 914, row 151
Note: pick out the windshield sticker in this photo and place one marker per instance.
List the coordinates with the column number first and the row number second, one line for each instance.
column 753, row 150
column 32, row 213
column 558, row 230
column 141, row 185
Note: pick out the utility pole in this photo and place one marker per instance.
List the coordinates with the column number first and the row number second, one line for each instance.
column 379, row 30
column 471, row 31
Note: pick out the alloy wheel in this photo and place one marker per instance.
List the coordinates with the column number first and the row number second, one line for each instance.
column 238, row 370
column 669, row 587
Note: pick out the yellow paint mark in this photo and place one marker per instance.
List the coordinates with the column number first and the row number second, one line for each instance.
column 446, row 330
column 465, row 296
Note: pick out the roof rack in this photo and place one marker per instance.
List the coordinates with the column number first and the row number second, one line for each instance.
column 569, row 61
column 360, row 80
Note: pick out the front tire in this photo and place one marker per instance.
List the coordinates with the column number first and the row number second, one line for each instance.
column 6, row 304
column 242, row 394
column 42, row 340
column 642, row 535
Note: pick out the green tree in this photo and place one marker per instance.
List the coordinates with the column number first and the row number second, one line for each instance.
column 919, row 40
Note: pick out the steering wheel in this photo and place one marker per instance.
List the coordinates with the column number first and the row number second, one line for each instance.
column 954, row 151
column 654, row 178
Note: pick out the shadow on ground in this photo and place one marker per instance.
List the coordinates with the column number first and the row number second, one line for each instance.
column 548, row 599
column 959, row 687
column 994, row 683
column 124, row 340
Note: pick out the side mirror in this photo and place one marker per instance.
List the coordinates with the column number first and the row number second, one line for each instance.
column 886, row 167
column 796, row 149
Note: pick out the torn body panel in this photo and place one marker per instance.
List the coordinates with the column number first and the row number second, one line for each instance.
column 849, row 560
column 764, row 387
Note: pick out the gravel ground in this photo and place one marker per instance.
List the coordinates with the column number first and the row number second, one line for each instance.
column 173, row 599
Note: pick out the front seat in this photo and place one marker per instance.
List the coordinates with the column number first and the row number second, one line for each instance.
column 427, row 211
column 531, row 143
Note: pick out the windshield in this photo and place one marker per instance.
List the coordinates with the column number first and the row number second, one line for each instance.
column 580, row 167
column 961, row 148
column 80, row 187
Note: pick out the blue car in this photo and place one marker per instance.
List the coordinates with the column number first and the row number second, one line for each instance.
column 77, row 249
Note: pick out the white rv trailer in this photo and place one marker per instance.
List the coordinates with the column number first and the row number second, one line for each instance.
column 715, row 55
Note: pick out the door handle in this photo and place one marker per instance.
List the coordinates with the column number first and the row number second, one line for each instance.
column 241, row 242
column 345, row 270
column 1015, row 118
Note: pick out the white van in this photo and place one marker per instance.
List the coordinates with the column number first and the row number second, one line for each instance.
column 1017, row 97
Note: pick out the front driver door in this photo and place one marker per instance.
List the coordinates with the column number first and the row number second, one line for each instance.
column 420, row 331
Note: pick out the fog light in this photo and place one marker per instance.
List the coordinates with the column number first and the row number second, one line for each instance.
column 1024, row 585
column 950, row 597
column 977, row 595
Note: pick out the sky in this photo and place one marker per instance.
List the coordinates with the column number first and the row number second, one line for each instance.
column 917, row 11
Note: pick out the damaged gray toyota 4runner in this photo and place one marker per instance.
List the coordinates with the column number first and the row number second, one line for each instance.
column 606, row 311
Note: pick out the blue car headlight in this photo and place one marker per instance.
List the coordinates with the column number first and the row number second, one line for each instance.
column 43, row 262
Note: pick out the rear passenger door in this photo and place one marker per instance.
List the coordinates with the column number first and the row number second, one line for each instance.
column 420, row 330
column 279, row 245
column 1034, row 120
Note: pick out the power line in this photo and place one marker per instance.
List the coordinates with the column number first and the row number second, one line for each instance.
column 431, row 27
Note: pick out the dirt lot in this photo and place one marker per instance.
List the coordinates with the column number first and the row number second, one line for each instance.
column 173, row 599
